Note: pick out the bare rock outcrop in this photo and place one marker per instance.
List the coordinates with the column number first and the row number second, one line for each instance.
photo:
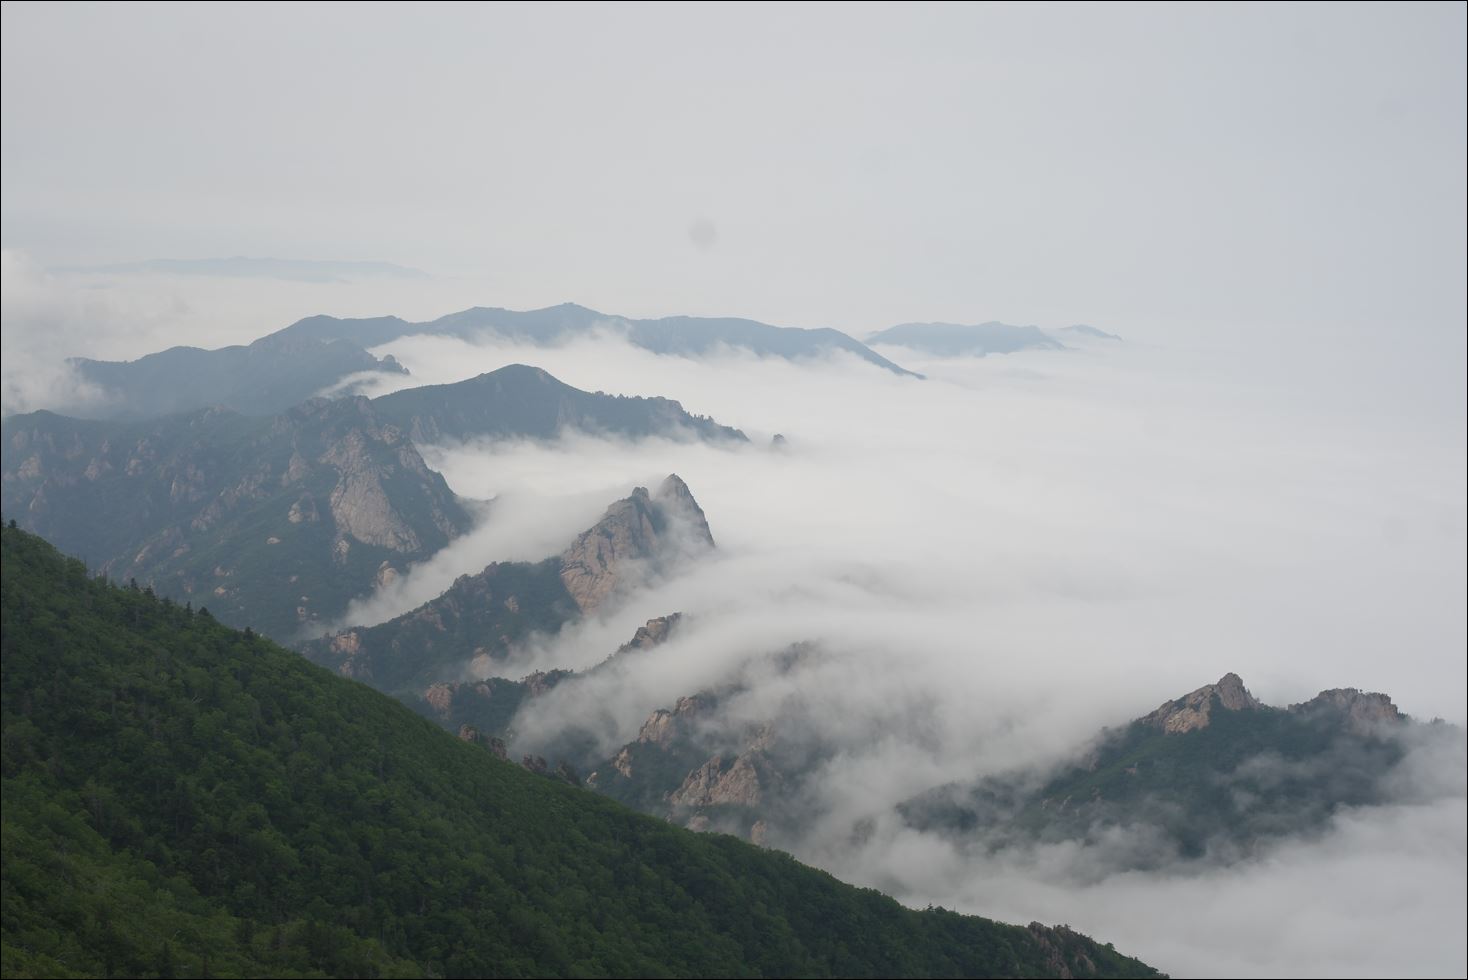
column 1364, row 713
column 662, row 726
column 643, row 531
column 653, row 633
column 1191, row 711
column 719, row 782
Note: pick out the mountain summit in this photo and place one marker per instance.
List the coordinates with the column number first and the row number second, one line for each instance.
column 640, row 528
column 1192, row 711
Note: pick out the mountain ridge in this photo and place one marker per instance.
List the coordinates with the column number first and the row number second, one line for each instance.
column 317, row 352
column 476, row 624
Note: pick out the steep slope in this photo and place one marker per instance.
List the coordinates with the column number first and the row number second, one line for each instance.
column 184, row 799
column 1214, row 771
column 525, row 402
column 278, row 523
column 477, row 622
column 957, row 339
column 275, row 523
column 692, row 765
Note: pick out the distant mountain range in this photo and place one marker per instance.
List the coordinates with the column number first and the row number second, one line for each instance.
column 979, row 339
column 279, row 522
column 309, row 356
column 186, row 800
column 313, row 355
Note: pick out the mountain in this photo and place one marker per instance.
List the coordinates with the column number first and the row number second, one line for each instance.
column 270, row 375
column 477, row 623
column 278, row 523
column 681, row 335
column 957, row 340
column 525, row 402
column 690, row 766
column 275, row 523
column 183, row 799
column 1214, row 772
column 309, row 356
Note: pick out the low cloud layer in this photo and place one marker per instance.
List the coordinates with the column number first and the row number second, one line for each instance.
column 994, row 564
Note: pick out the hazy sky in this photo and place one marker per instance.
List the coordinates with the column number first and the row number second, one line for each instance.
column 1251, row 169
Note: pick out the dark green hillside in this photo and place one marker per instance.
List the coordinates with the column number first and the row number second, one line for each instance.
column 185, row 800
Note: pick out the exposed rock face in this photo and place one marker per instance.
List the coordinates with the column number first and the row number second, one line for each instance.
column 654, row 632
column 1364, row 713
column 1191, row 712
column 718, row 782
column 662, row 726
column 480, row 620
column 651, row 633
column 641, row 531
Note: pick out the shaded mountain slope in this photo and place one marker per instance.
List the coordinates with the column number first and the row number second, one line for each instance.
column 278, row 523
column 268, row 376
column 275, row 523
column 525, row 402
column 252, row 814
column 477, row 622
column 1214, row 771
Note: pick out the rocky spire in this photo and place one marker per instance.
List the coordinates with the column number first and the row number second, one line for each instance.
column 1192, row 711
column 646, row 529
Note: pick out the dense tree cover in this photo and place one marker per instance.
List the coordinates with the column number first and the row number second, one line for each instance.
column 184, row 799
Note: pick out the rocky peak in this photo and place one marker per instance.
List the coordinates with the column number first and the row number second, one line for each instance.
column 662, row 726
column 676, row 503
column 1192, row 711
column 641, row 528
column 1363, row 713
column 652, row 633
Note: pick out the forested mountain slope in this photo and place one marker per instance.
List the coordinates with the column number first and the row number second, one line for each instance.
column 184, row 799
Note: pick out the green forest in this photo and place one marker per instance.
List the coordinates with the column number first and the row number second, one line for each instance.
column 184, row 799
